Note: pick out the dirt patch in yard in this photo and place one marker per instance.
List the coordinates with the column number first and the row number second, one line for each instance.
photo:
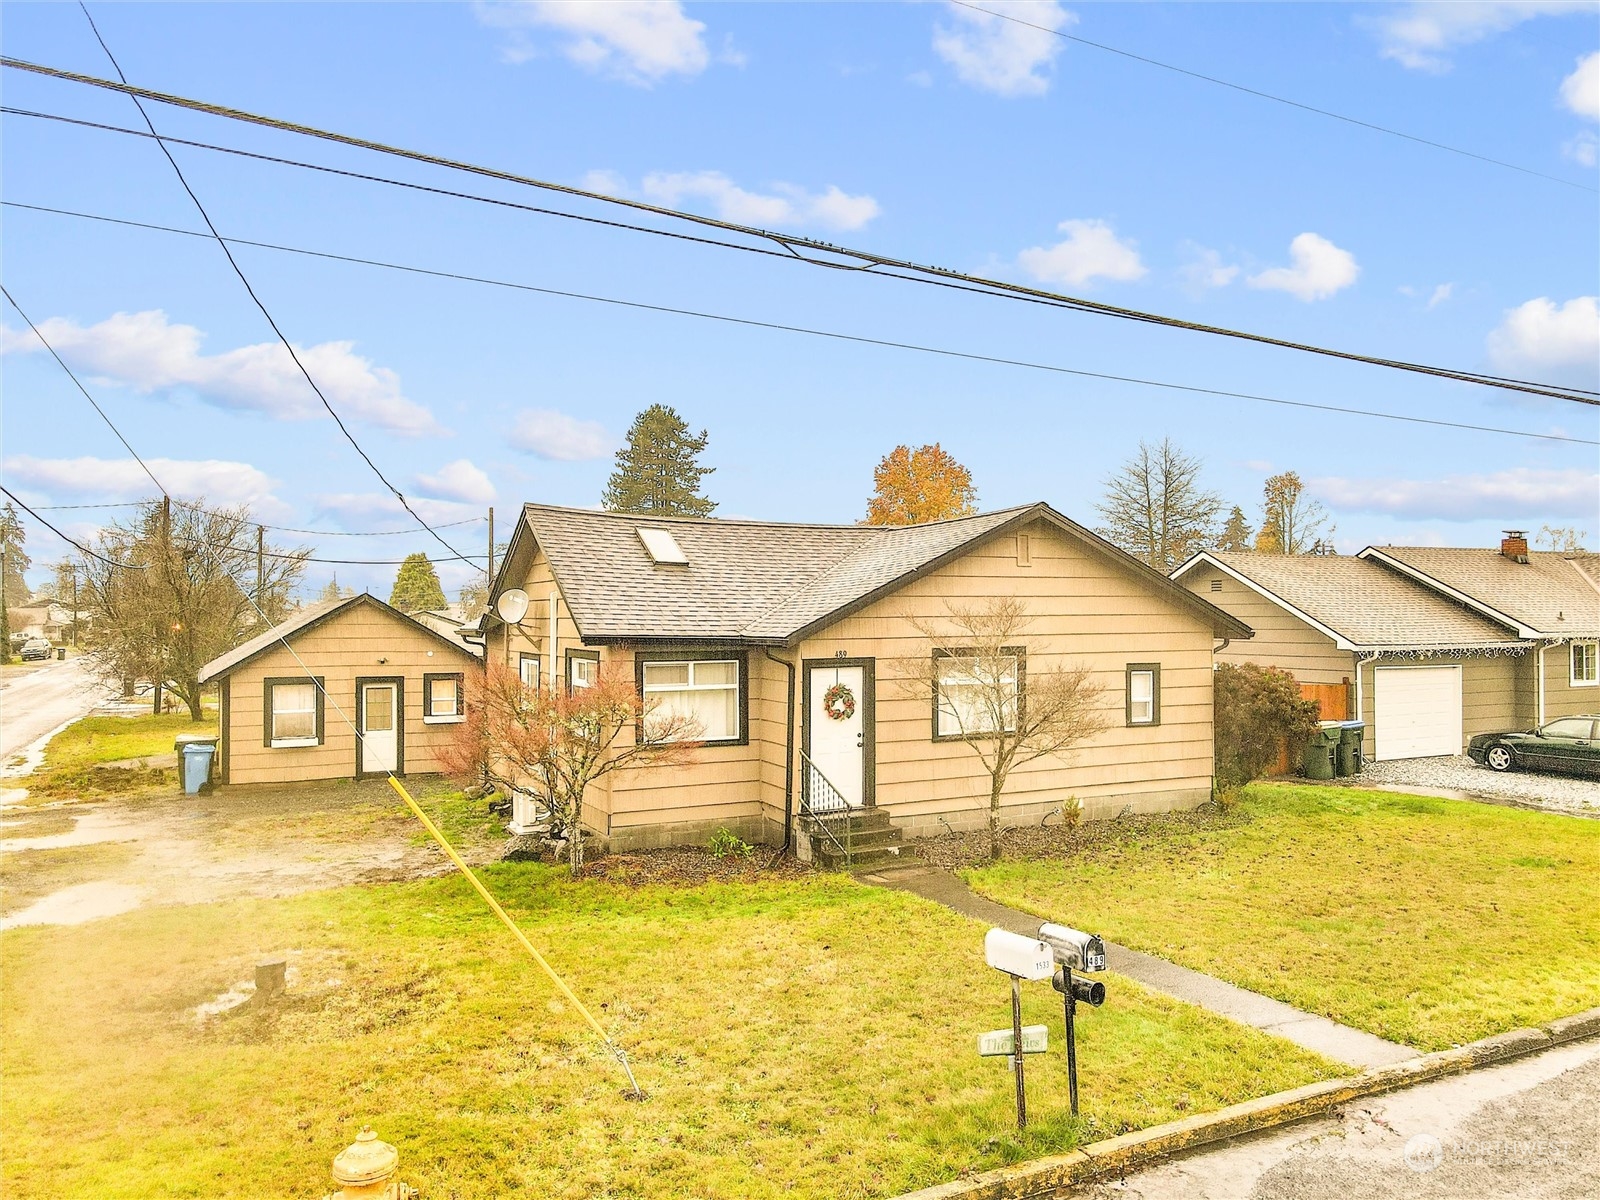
column 690, row 866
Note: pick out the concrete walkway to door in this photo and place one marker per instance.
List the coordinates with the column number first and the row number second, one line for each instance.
column 1336, row 1041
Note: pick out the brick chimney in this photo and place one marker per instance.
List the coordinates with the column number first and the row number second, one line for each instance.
column 1515, row 545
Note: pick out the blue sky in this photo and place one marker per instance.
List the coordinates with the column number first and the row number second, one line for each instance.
column 920, row 130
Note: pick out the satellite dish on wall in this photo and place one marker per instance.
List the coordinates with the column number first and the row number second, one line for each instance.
column 512, row 605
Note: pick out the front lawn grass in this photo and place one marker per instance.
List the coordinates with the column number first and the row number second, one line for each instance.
column 812, row 1038
column 1428, row 922
column 75, row 760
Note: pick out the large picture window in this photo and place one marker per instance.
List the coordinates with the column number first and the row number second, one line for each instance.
column 292, row 713
column 1144, row 693
column 976, row 695
column 1585, row 670
column 704, row 690
column 442, row 701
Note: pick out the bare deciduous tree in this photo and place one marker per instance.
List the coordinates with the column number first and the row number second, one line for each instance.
column 555, row 743
column 1156, row 510
column 986, row 695
column 190, row 593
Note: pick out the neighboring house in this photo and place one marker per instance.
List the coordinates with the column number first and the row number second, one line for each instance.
column 452, row 623
column 749, row 624
column 400, row 682
column 1428, row 663
column 45, row 619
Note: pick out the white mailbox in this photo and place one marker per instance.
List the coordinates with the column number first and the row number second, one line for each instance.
column 1019, row 956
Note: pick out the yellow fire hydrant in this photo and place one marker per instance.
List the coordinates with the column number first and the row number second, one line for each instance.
column 367, row 1169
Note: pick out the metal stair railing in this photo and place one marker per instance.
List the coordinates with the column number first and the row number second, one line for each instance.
column 826, row 805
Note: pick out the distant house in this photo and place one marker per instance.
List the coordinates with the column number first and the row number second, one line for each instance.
column 753, row 625
column 290, row 697
column 1432, row 645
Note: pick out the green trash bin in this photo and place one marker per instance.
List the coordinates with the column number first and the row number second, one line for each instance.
column 1349, row 753
column 1321, row 750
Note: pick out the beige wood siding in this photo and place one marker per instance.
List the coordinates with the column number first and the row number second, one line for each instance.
column 1086, row 612
column 339, row 650
column 1282, row 639
column 1561, row 699
column 1490, row 691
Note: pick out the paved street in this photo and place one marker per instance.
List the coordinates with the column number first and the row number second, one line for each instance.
column 1528, row 1129
column 36, row 702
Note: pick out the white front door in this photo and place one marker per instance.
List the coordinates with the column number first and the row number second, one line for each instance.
column 380, row 727
column 1416, row 712
column 837, row 723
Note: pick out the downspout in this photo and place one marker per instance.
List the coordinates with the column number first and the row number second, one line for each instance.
column 1361, row 707
column 788, row 757
column 1543, row 646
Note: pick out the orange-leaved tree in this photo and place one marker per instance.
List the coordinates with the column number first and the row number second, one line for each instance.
column 555, row 743
column 925, row 484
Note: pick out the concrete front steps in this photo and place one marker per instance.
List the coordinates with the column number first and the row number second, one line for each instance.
column 873, row 839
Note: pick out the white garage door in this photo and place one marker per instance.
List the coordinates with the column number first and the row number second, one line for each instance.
column 1417, row 711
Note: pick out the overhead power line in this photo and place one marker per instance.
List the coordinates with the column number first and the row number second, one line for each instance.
column 237, row 270
column 802, row 248
column 835, row 335
column 1276, row 99
column 76, row 545
column 265, row 525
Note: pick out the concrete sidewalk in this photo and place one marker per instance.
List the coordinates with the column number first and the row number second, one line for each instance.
column 1338, row 1042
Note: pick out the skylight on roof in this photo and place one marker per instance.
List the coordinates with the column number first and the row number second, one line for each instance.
column 662, row 547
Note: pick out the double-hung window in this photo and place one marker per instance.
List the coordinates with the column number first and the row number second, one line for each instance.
column 706, row 693
column 583, row 669
column 528, row 671
column 1585, row 672
column 442, row 702
column 292, row 712
column 1143, row 684
column 976, row 694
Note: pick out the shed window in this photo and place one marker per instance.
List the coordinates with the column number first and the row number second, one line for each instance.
column 976, row 694
column 1584, row 672
column 441, row 699
column 293, row 713
column 1144, row 694
column 704, row 690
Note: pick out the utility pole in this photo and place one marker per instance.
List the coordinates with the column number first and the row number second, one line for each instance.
column 261, row 568
column 74, row 606
column 166, row 565
column 491, row 544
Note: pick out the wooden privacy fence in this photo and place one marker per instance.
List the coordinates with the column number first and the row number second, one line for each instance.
column 1334, row 703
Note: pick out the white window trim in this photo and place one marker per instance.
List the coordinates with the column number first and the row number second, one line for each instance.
column 943, row 706
column 293, row 743
column 443, row 720
column 1594, row 657
column 1150, row 700
column 649, row 690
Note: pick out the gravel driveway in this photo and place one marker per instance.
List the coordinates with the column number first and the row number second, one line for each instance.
column 1553, row 793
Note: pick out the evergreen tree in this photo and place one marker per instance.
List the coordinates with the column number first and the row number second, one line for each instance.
column 333, row 591
column 13, row 562
column 416, row 587
column 658, row 469
column 1236, row 532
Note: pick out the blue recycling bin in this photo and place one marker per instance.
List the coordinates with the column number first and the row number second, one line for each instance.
column 197, row 758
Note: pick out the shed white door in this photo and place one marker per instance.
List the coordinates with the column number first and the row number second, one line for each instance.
column 1416, row 711
column 838, row 743
column 380, row 727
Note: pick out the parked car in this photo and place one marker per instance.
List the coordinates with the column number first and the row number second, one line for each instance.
column 36, row 650
column 1567, row 745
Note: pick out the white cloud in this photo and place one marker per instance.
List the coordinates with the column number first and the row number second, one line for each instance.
column 217, row 480
column 1580, row 91
column 1541, row 333
column 148, row 353
column 1422, row 35
column 638, row 41
column 1003, row 56
column 786, row 205
column 461, row 480
column 1440, row 294
column 1320, row 269
column 548, row 434
column 1518, row 492
column 1206, row 269
column 1091, row 250
column 1583, row 148
column 362, row 510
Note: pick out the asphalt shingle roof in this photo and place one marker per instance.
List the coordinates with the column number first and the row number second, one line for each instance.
column 1370, row 605
column 1550, row 592
column 748, row 580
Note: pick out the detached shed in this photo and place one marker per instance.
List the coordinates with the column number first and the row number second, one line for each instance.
column 400, row 682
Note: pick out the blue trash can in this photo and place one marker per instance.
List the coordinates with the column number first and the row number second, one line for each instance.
column 197, row 758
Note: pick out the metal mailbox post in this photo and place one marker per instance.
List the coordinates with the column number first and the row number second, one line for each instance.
column 1021, row 958
column 1087, row 952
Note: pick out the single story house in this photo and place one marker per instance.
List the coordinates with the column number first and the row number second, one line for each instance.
column 783, row 639
column 1426, row 661
column 292, row 698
